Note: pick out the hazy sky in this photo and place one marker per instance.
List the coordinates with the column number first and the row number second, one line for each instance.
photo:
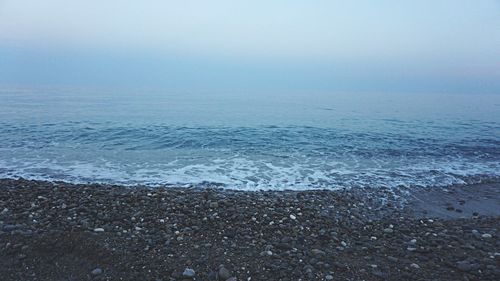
column 438, row 45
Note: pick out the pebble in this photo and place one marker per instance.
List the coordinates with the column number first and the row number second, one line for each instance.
column 414, row 265
column 392, row 259
column 188, row 273
column 235, row 239
column 318, row 252
column 223, row 273
column 266, row 253
column 464, row 265
column 11, row 227
column 96, row 271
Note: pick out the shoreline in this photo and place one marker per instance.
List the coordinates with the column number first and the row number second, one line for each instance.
column 62, row 231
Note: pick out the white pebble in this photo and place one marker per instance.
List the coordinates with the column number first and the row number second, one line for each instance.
column 99, row 229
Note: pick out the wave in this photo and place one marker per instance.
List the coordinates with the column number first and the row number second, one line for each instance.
column 250, row 158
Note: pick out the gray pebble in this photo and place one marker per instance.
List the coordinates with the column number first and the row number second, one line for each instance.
column 96, row 271
column 188, row 273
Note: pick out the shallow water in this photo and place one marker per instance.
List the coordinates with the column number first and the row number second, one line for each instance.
column 248, row 140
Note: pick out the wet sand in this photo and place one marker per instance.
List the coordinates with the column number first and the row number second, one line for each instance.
column 60, row 231
column 461, row 201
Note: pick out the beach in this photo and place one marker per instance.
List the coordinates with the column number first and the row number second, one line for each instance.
column 62, row 231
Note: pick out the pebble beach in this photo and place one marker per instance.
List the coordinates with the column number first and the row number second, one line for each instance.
column 62, row 231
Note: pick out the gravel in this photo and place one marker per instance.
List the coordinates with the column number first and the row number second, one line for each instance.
column 61, row 231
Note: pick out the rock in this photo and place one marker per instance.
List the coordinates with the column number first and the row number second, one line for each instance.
column 486, row 235
column 99, row 229
column 380, row 274
column 328, row 277
column 392, row 259
column 414, row 265
column 413, row 241
column 465, row 266
column 283, row 246
column 214, row 205
column 388, row 230
column 96, row 271
column 318, row 252
column 293, row 217
column 223, row 273
column 212, row 275
column 188, row 273
column 11, row 227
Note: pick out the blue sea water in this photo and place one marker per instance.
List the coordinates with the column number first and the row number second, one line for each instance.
column 250, row 141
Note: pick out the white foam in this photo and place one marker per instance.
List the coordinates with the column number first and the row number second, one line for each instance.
column 246, row 174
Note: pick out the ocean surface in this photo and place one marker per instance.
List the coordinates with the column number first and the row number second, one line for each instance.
column 250, row 141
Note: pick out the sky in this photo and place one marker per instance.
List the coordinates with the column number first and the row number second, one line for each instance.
column 282, row 45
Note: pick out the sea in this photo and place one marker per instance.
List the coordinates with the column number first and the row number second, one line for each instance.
column 249, row 140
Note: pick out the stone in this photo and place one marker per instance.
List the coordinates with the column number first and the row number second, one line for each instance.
column 328, row 277
column 392, row 259
column 464, row 266
column 388, row 230
column 96, row 271
column 293, row 217
column 486, row 235
column 318, row 252
column 99, row 229
column 214, row 205
column 11, row 227
column 414, row 265
column 188, row 273
column 223, row 273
